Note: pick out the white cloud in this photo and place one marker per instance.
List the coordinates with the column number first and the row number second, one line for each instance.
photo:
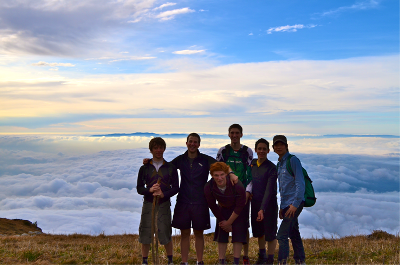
column 96, row 192
column 133, row 58
column 288, row 28
column 363, row 5
column 164, row 5
column 167, row 15
column 186, row 52
column 41, row 63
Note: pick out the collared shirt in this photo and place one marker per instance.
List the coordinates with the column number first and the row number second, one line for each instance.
column 291, row 188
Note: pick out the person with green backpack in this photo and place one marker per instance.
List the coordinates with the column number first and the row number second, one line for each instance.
column 291, row 189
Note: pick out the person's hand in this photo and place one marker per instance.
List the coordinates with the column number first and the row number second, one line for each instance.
column 155, row 188
column 260, row 216
column 281, row 214
column 291, row 211
column 226, row 226
column 159, row 193
column 234, row 179
column 146, row 160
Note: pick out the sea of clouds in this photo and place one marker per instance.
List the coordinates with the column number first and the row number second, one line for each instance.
column 95, row 192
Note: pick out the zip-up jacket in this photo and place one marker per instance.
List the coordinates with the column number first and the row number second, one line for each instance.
column 264, row 183
column 233, row 198
column 193, row 177
column 148, row 176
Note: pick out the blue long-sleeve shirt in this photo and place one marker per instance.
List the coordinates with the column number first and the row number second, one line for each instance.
column 291, row 188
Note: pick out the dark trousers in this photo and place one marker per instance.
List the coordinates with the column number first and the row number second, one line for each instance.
column 290, row 229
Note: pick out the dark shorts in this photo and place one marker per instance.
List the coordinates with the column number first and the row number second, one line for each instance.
column 269, row 225
column 196, row 216
column 239, row 228
column 163, row 223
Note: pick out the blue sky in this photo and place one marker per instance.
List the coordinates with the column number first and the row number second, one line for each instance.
column 295, row 67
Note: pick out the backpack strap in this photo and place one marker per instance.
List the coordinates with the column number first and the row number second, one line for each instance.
column 244, row 155
column 226, row 152
column 289, row 166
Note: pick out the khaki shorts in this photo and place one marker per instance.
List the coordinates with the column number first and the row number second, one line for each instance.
column 163, row 223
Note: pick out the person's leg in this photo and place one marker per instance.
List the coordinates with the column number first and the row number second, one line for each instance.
column 272, row 247
column 298, row 248
column 237, row 249
column 222, row 250
column 145, row 250
column 246, row 246
column 283, row 239
column 169, row 248
column 199, row 244
column 246, row 211
column 185, row 244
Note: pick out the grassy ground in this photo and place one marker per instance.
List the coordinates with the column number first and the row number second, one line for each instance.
column 377, row 248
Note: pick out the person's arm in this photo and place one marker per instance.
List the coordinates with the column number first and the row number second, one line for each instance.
column 300, row 186
column 220, row 158
column 249, row 191
column 270, row 191
column 140, row 186
column 249, row 175
column 211, row 201
column 174, row 184
column 299, row 181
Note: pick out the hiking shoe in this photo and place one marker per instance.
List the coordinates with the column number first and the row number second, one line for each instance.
column 261, row 259
column 269, row 261
column 246, row 260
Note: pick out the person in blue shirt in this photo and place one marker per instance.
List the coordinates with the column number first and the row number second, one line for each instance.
column 291, row 190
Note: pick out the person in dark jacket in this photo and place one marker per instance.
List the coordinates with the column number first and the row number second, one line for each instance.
column 264, row 205
column 229, row 211
column 149, row 174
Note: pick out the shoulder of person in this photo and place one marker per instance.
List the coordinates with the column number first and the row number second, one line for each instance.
column 254, row 161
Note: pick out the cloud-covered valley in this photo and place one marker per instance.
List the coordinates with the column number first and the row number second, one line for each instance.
column 94, row 193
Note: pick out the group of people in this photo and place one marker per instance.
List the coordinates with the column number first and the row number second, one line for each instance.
column 239, row 183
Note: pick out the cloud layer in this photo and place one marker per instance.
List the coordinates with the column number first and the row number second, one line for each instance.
column 96, row 192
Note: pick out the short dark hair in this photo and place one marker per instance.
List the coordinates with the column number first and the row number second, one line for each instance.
column 194, row 135
column 157, row 141
column 262, row 140
column 237, row 126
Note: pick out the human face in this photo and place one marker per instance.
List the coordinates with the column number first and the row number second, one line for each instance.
column 262, row 151
column 235, row 135
column 157, row 152
column 219, row 178
column 193, row 144
column 280, row 149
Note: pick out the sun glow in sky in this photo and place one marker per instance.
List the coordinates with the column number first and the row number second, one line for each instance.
column 303, row 67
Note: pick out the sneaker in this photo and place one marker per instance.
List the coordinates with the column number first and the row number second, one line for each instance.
column 261, row 259
column 200, row 263
column 170, row 263
column 300, row 262
column 246, row 260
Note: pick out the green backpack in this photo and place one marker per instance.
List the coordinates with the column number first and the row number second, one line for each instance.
column 309, row 194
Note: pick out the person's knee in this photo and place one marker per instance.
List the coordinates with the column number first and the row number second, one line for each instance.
column 185, row 233
column 198, row 233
